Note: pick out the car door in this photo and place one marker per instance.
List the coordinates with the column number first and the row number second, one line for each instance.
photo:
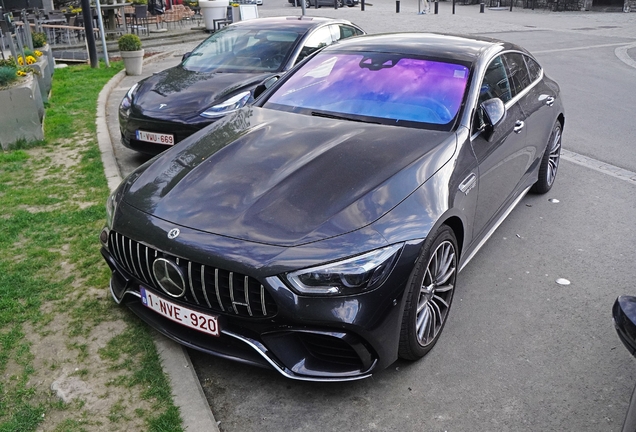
column 502, row 158
column 536, row 100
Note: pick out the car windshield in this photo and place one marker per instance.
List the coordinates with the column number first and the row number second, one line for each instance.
column 376, row 87
column 236, row 49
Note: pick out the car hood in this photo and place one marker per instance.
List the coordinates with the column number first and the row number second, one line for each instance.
column 287, row 179
column 178, row 94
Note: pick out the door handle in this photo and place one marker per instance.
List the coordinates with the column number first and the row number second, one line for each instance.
column 468, row 183
column 518, row 126
column 549, row 101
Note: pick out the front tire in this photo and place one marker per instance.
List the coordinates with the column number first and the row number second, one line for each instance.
column 429, row 295
column 549, row 162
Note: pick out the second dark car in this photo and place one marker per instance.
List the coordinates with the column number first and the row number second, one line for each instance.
column 218, row 77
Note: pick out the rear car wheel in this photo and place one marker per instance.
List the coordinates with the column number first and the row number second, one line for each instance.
column 430, row 295
column 549, row 162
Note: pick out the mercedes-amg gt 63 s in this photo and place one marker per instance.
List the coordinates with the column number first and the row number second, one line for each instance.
column 320, row 230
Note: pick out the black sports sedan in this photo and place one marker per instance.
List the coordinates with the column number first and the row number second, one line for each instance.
column 218, row 76
column 320, row 231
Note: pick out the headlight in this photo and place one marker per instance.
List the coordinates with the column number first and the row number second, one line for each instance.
column 126, row 102
column 228, row 106
column 111, row 206
column 361, row 273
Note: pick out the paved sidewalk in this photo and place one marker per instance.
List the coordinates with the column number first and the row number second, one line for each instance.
column 377, row 18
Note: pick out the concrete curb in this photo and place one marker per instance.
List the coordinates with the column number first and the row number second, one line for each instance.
column 623, row 55
column 186, row 388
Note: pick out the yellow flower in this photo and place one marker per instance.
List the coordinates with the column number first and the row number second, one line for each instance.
column 30, row 60
column 21, row 73
column 20, row 61
column 37, row 53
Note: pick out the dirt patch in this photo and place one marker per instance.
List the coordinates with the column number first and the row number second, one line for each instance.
column 72, row 370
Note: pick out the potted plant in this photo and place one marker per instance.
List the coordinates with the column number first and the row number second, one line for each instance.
column 132, row 53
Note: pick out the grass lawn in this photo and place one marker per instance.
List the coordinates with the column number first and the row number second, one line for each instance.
column 60, row 332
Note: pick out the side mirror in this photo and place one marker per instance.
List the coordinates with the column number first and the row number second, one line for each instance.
column 260, row 89
column 186, row 55
column 624, row 313
column 493, row 112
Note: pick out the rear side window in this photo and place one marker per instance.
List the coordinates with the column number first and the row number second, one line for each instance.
column 534, row 70
column 518, row 72
column 341, row 31
column 319, row 39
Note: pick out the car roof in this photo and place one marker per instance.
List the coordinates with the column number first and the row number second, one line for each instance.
column 296, row 23
column 459, row 48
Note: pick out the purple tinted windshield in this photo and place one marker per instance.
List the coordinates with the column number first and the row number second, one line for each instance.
column 377, row 85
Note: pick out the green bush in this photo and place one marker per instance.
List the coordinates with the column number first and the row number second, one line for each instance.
column 39, row 39
column 129, row 42
column 8, row 74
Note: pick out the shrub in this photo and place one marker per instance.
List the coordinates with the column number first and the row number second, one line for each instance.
column 39, row 39
column 129, row 42
column 8, row 74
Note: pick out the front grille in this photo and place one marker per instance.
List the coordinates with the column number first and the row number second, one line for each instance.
column 207, row 287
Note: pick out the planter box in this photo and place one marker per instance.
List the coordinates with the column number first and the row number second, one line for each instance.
column 48, row 52
column 21, row 112
column 44, row 77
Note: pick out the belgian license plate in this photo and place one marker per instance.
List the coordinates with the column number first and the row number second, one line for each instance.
column 205, row 323
column 152, row 137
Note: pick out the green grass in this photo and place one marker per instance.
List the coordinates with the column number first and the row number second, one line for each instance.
column 53, row 282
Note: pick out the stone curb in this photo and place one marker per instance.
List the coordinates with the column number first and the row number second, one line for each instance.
column 186, row 388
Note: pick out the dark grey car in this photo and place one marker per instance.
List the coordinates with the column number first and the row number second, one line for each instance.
column 320, row 231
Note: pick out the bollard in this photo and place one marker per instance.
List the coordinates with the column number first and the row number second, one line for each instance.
column 397, row 6
column 481, row 7
column 362, row 5
column 436, row 6
column 453, row 7
column 335, row 4
column 511, row 5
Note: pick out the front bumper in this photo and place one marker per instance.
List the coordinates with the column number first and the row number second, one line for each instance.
column 337, row 338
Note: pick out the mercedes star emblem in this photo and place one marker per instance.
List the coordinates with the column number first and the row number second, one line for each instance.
column 174, row 233
column 169, row 277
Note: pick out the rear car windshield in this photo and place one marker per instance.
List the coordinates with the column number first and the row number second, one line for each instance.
column 376, row 87
column 242, row 50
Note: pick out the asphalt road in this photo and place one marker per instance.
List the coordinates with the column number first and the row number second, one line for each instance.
column 519, row 352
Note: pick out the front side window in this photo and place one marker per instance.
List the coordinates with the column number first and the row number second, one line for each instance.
column 376, row 87
column 319, row 39
column 495, row 83
column 236, row 49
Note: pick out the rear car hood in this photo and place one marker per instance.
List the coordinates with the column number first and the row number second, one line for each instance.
column 287, row 179
column 179, row 94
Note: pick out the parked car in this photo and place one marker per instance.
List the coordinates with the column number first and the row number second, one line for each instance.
column 320, row 230
column 329, row 3
column 624, row 313
column 218, row 76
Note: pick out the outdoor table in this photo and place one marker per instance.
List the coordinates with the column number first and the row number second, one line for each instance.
column 111, row 11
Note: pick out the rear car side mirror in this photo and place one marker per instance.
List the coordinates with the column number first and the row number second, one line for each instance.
column 624, row 312
column 260, row 89
column 186, row 55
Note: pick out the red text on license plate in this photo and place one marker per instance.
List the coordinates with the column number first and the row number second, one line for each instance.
column 190, row 318
column 165, row 139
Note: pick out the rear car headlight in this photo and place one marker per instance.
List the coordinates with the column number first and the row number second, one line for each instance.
column 360, row 273
column 227, row 106
column 127, row 101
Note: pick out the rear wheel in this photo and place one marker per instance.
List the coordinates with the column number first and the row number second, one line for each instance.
column 430, row 295
column 549, row 162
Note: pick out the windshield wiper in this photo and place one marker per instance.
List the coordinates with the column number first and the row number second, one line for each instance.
column 337, row 117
